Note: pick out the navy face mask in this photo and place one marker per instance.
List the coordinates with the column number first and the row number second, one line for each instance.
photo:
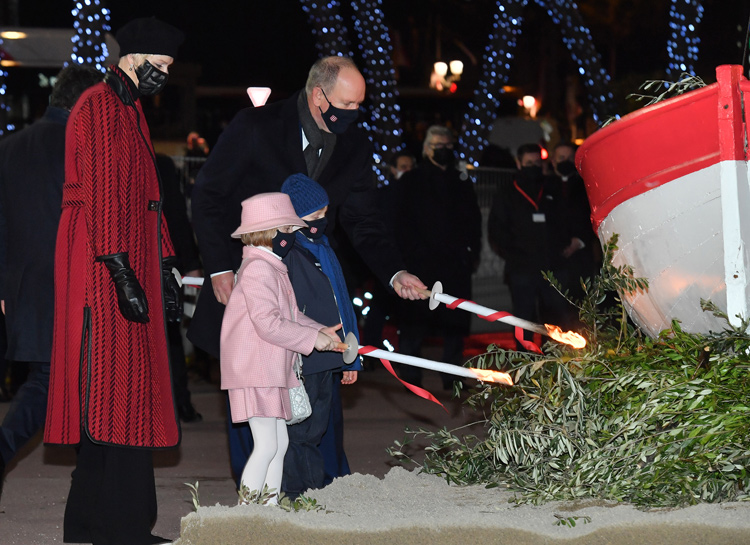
column 151, row 80
column 337, row 119
column 315, row 228
column 282, row 243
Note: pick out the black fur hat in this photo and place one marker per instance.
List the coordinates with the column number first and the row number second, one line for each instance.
column 150, row 36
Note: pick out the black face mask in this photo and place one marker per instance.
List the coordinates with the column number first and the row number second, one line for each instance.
column 532, row 174
column 316, row 228
column 282, row 243
column 445, row 157
column 151, row 80
column 566, row 168
column 337, row 119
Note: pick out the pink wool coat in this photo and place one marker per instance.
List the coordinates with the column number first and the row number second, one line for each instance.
column 262, row 329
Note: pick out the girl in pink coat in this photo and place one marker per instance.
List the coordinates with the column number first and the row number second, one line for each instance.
column 261, row 334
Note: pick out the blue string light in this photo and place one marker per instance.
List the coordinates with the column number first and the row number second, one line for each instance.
column 384, row 126
column 497, row 61
column 682, row 45
column 89, row 40
column 5, row 127
column 328, row 27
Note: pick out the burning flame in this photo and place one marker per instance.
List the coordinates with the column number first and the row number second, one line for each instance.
column 485, row 375
column 569, row 337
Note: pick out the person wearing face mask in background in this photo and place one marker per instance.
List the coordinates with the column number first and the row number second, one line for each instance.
column 110, row 389
column 383, row 302
column 313, row 132
column 439, row 228
column 583, row 252
column 402, row 162
column 527, row 228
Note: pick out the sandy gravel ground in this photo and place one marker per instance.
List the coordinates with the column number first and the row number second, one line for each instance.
column 406, row 507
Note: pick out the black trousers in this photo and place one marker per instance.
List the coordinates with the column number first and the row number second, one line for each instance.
column 27, row 411
column 304, row 465
column 112, row 498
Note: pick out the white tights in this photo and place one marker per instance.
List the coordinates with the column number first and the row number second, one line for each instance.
column 266, row 464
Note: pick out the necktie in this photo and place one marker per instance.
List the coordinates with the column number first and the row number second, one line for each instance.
column 311, row 159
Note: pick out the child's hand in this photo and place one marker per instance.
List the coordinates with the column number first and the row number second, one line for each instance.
column 328, row 340
column 350, row 377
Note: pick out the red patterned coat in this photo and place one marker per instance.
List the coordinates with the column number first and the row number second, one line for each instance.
column 109, row 376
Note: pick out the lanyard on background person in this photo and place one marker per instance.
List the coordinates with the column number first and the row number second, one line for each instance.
column 534, row 203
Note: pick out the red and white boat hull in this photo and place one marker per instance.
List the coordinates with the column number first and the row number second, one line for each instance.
column 672, row 181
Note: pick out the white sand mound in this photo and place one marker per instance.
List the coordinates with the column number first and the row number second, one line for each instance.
column 407, row 507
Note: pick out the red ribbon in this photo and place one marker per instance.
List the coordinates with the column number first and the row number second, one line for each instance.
column 495, row 316
column 421, row 392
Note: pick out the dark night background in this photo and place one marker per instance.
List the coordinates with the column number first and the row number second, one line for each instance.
column 238, row 43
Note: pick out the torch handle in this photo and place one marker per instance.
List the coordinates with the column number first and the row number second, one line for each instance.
column 474, row 308
column 423, row 363
column 424, row 292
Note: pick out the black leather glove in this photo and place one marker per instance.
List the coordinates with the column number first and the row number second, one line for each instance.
column 172, row 290
column 130, row 295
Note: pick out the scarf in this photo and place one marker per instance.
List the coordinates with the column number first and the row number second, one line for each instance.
column 317, row 139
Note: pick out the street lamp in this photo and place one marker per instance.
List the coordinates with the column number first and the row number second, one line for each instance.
column 441, row 80
column 530, row 104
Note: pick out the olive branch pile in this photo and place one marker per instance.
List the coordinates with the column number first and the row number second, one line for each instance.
column 654, row 422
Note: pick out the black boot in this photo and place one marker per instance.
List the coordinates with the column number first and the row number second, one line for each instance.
column 188, row 413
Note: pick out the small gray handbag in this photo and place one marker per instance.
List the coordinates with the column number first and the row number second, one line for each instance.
column 300, row 402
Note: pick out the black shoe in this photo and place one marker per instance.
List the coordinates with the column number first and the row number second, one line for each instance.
column 189, row 414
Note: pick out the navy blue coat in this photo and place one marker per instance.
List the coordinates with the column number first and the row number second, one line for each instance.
column 315, row 299
column 32, row 169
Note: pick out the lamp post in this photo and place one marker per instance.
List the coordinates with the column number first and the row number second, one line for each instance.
column 441, row 80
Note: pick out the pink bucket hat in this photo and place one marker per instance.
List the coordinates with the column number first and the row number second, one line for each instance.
column 267, row 211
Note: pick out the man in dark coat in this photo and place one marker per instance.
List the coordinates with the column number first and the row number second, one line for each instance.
column 583, row 252
column 189, row 264
column 32, row 168
column 312, row 132
column 527, row 228
column 439, row 229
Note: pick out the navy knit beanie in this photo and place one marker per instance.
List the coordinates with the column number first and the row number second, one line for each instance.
column 306, row 194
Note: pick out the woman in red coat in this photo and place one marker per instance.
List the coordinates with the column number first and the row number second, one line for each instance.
column 110, row 389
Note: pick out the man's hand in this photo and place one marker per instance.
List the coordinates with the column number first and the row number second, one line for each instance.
column 223, row 284
column 350, row 377
column 575, row 245
column 408, row 286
